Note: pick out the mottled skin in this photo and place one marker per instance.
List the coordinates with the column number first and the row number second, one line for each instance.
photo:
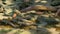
column 58, row 12
column 39, row 7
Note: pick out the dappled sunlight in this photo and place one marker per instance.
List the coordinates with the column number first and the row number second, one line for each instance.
column 29, row 17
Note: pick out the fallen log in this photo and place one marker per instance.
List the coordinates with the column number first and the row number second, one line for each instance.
column 3, row 17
